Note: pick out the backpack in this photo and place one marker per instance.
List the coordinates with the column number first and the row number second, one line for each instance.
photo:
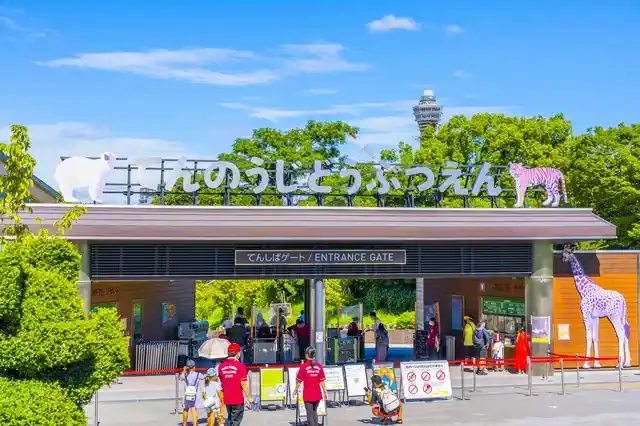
column 478, row 337
column 389, row 401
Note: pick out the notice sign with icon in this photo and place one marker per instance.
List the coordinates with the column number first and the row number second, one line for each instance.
column 425, row 380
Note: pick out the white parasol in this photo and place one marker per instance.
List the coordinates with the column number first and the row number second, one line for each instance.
column 214, row 348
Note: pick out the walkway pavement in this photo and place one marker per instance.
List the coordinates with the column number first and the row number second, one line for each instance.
column 159, row 388
column 577, row 407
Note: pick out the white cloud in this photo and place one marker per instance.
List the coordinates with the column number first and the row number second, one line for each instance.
column 461, row 74
column 277, row 114
column 9, row 23
column 453, row 30
column 52, row 141
column 321, row 91
column 318, row 58
column 219, row 67
column 391, row 22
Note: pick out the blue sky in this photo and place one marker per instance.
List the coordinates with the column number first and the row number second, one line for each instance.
column 169, row 78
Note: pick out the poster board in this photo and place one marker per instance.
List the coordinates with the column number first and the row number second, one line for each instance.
column 301, row 410
column 292, row 373
column 541, row 329
column 334, row 378
column 425, row 380
column 272, row 386
column 388, row 374
column 563, row 332
column 355, row 379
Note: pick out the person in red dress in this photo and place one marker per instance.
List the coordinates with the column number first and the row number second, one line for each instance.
column 311, row 376
column 433, row 340
column 235, row 386
column 522, row 351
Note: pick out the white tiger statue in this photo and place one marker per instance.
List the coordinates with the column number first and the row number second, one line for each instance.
column 526, row 177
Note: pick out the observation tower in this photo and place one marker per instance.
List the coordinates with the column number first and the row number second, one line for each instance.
column 428, row 111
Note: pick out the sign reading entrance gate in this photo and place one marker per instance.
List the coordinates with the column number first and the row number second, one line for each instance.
column 319, row 257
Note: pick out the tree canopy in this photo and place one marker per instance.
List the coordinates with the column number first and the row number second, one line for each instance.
column 52, row 358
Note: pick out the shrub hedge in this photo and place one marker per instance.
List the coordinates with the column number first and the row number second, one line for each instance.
column 52, row 358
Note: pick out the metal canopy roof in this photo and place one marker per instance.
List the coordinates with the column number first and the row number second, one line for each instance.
column 309, row 224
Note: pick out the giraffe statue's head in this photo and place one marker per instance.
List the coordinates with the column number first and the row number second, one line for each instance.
column 567, row 252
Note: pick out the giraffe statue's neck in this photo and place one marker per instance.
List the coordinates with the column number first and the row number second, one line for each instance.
column 580, row 277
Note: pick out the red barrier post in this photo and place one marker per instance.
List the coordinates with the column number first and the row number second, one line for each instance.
column 562, row 374
column 177, row 395
column 578, row 370
column 462, row 378
column 529, row 382
column 475, row 373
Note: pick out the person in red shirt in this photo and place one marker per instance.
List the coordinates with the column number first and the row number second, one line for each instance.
column 235, row 385
column 311, row 376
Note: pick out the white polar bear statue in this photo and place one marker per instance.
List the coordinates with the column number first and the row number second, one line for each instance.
column 81, row 172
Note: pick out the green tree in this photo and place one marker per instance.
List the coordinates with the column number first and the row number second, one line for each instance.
column 53, row 358
column 316, row 141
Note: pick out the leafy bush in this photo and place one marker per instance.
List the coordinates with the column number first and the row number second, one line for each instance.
column 31, row 402
column 45, row 340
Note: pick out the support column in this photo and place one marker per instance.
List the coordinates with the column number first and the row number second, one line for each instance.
column 84, row 280
column 319, row 335
column 419, row 303
column 539, row 301
column 311, row 313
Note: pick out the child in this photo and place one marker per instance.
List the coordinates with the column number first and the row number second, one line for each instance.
column 374, row 397
column 212, row 397
column 498, row 351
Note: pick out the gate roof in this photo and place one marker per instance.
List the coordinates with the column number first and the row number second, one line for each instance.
column 308, row 224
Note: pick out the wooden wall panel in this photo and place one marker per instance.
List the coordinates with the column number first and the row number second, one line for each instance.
column 611, row 271
column 152, row 293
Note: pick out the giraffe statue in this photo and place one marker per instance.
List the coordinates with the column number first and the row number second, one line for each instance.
column 599, row 303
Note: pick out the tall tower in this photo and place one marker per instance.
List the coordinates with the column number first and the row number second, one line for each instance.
column 428, row 111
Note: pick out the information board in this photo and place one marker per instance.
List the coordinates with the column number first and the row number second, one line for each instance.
column 292, row 373
column 302, row 410
column 425, row 380
column 356, row 379
column 334, row 378
column 272, row 386
column 420, row 344
column 498, row 306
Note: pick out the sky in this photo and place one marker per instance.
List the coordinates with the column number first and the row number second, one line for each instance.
column 168, row 78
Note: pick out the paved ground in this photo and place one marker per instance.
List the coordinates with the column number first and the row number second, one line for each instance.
column 164, row 387
column 585, row 407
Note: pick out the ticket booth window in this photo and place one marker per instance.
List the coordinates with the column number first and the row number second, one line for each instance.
column 505, row 316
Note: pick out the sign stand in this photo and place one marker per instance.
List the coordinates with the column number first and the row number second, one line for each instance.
column 277, row 395
column 426, row 380
column 356, row 380
column 301, row 413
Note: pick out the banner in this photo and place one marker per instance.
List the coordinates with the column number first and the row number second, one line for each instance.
column 356, row 379
column 425, row 380
column 272, row 386
column 388, row 374
column 334, row 378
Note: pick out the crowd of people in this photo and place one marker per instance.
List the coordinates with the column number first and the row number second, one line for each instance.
column 481, row 344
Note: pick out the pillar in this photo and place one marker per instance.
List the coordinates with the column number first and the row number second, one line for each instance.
column 319, row 336
column 311, row 313
column 419, row 303
column 539, row 301
column 84, row 280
